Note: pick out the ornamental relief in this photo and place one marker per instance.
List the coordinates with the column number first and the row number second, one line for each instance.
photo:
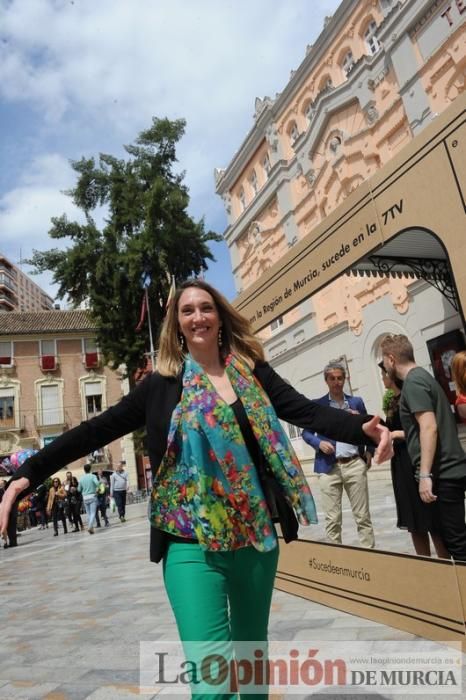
column 346, row 297
column 457, row 84
column 9, row 442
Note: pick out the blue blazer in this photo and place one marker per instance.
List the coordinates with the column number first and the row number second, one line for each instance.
column 323, row 463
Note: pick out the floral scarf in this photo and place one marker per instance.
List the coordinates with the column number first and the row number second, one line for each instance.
column 207, row 486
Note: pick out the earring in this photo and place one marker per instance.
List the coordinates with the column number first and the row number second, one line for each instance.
column 181, row 341
column 220, row 338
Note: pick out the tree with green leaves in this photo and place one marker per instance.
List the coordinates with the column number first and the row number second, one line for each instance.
column 147, row 232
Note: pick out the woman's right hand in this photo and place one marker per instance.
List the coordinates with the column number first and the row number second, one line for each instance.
column 11, row 494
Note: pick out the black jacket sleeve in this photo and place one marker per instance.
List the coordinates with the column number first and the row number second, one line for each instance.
column 296, row 409
column 127, row 415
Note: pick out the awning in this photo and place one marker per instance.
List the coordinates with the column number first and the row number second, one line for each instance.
column 415, row 254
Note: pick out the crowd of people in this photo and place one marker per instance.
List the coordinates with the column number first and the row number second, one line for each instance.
column 428, row 465
column 62, row 504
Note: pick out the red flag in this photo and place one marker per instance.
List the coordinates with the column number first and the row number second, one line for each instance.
column 143, row 312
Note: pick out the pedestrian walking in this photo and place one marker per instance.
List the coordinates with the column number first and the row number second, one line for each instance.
column 119, row 488
column 102, row 499
column 56, row 505
column 75, row 500
column 87, row 487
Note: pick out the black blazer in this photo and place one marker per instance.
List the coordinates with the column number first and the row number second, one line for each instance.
column 151, row 404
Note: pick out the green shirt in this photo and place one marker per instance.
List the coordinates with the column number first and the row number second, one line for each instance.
column 422, row 393
column 88, row 484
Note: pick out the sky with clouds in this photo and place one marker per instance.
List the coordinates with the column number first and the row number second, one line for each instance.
column 80, row 77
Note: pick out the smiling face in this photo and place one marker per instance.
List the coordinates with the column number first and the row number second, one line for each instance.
column 198, row 319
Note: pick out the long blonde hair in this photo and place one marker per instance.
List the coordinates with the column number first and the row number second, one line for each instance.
column 458, row 372
column 237, row 336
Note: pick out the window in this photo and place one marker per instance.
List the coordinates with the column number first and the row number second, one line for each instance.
column 6, row 280
column 6, row 353
column 294, row 432
column 309, row 112
column 294, row 132
column 347, row 63
column 242, row 199
column 92, row 389
column 48, row 354
column 90, row 345
column 370, row 38
column 93, row 393
column 7, row 409
column 335, row 143
column 266, row 165
column 254, row 182
column 276, row 323
column 50, row 408
column 326, row 83
column 91, row 353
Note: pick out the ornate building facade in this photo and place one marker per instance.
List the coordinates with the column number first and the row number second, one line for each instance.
column 377, row 74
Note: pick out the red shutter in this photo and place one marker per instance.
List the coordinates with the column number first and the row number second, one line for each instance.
column 91, row 360
column 48, row 362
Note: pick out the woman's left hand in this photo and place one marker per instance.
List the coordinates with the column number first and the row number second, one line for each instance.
column 382, row 438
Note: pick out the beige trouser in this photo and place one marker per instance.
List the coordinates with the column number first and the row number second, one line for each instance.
column 353, row 478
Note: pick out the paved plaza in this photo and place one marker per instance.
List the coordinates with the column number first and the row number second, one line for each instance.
column 74, row 608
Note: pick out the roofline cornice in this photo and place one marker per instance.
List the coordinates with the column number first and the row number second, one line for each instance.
column 33, row 335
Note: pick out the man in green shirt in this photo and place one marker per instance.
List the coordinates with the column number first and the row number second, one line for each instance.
column 88, row 488
column 432, row 440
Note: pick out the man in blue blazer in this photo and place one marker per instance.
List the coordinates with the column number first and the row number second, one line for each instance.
column 341, row 465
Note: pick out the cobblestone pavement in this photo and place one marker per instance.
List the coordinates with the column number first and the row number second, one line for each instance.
column 74, row 608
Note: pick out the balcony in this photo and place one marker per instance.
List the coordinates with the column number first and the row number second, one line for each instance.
column 7, row 302
column 7, row 283
column 48, row 363
column 7, row 268
column 91, row 360
column 13, row 423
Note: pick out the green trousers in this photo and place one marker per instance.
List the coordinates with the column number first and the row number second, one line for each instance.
column 220, row 597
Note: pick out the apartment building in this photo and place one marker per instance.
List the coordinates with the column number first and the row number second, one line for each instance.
column 18, row 292
column 51, row 378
